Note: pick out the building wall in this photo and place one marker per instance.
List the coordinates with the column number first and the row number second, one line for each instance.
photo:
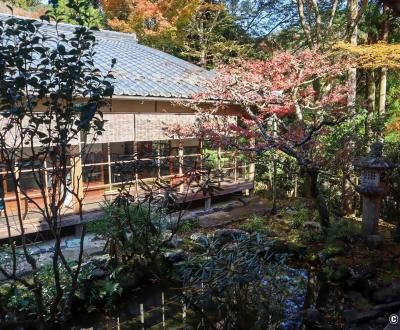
column 121, row 139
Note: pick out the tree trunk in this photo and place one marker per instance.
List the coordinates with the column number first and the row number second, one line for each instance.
column 352, row 32
column 371, row 100
column 316, row 193
column 347, row 196
column 383, row 78
column 274, row 187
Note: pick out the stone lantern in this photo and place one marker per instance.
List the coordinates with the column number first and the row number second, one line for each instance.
column 373, row 186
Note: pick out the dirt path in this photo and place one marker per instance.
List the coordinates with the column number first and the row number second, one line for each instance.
column 250, row 206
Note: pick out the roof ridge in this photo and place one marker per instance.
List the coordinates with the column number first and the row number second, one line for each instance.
column 141, row 71
column 106, row 33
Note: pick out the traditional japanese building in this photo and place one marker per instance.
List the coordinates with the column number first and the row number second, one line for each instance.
column 147, row 87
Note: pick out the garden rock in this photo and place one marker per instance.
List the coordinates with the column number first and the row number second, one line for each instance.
column 359, row 275
column 328, row 253
column 98, row 273
column 312, row 225
column 374, row 241
column 171, row 242
column 229, row 235
column 354, row 317
column 388, row 294
column 175, row 256
column 199, row 238
column 389, row 307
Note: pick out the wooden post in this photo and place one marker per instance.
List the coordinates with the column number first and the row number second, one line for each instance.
column 159, row 165
column 219, row 155
column 136, row 173
column 180, row 157
column 46, row 182
column 142, row 315
column 252, row 166
column 207, row 203
column 109, row 166
column 235, row 166
column 183, row 313
column 159, row 161
column 201, row 146
column 163, row 309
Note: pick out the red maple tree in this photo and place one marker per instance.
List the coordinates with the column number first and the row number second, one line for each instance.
column 289, row 102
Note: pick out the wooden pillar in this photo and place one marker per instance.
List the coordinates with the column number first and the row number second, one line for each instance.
column 252, row 166
column 219, row 156
column 46, row 182
column 180, row 155
column 135, row 148
column 201, row 164
column 207, row 203
column 235, row 166
column 159, row 161
column 109, row 166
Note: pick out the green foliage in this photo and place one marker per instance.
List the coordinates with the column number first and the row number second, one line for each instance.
column 131, row 229
column 297, row 217
column 103, row 293
column 43, row 78
column 19, row 299
column 188, row 225
column 215, row 37
column 285, row 175
column 296, row 220
column 238, row 281
column 310, row 236
column 25, row 4
column 81, row 12
column 256, row 224
column 335, row 271
column 344, row 230
column 391, row 203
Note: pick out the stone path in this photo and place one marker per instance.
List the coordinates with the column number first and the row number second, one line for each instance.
column 244, row 209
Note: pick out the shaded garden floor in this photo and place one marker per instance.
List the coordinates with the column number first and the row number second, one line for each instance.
column 347, row 272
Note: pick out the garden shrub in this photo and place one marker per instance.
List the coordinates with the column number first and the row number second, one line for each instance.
column 256, row 224
column 239, row 282
column 344, row 230
column 131, row 229
column 188, row 225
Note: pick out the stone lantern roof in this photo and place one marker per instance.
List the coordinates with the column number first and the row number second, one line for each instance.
column 374, row 160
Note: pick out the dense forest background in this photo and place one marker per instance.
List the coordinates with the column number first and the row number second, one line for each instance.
column 211, row 33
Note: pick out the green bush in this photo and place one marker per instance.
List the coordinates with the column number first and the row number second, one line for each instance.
column 188, row 225
column 310, row 236
column 343, row 229
column 131, row 229
column 297, row 219
column 256, row 224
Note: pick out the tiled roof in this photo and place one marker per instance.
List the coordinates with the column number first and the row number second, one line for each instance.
column 140, row 70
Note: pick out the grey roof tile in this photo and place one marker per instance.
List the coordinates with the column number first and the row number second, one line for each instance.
column 141, row 70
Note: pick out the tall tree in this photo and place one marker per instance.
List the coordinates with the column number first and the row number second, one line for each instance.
column 201, row 31
column 42, row 117
column 305, row 94
column 383, row 76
